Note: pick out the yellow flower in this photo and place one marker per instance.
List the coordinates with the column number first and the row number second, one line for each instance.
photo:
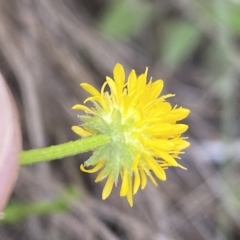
column 145, row 136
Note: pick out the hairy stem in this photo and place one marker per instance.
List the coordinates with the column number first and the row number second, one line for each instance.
column 62, row 150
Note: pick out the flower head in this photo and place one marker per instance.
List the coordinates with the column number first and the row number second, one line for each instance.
column 143, row 128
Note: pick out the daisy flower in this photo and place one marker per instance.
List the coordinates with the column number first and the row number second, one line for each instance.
column 145, row 136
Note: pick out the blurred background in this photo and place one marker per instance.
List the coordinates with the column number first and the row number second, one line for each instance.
column 48, row 47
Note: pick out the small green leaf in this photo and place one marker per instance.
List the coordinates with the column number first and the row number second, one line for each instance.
column 180, row 40
column 16, row 211
column 124, row 18
column 234, row 19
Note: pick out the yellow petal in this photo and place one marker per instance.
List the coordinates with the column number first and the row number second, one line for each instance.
column 146, row 71
column 100, row 176
column 161, row 144
column 119, row 77
column 154, row 166
column 99, row 99
column 80, row 131
column 95, row 98
column 136, row 182
column 178, row 129
column 94, row 169
column 162, row 129
column 130, row 194
column 163, row 107
column 82, row 107
column 168, row 158
column 181, row 144
column 108, row 187
column 90, row 89
column 182, row 167
column 124, row 187
column 135, row 162
column 151, row 177
column 141, row 81
column 157, row 87
column 143, row 179
column 159, row 130
column 132, row 82
column 179, row 113
column 167, row 96
column 103, row 87
column 112, row 86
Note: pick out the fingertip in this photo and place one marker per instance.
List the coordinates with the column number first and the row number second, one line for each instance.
column 10, row 143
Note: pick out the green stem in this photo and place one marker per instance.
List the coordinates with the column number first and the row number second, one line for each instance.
column 62, row 150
